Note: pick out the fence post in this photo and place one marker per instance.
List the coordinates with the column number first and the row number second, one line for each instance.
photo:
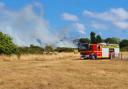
column 121, row 56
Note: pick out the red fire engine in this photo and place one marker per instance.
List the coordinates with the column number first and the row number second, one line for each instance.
column 97, row 51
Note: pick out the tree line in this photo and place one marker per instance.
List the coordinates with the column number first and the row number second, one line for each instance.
column 46, row 50
column 8, row 47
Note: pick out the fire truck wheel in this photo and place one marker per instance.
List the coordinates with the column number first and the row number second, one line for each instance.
column 111, row 56
column 93, row 56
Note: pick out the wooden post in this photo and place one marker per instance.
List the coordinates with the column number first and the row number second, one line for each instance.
column 121, row 56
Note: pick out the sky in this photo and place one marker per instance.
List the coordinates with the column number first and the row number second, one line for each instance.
column 57, row 22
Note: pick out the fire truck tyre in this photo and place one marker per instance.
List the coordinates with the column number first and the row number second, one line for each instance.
column 93, row 57
column 110, row 56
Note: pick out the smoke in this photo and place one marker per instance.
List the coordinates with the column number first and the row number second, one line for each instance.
column 28, row 26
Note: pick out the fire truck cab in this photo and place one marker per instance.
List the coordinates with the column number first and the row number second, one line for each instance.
column 98, row 51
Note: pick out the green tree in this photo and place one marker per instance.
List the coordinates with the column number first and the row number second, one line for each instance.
column 84, row 40
column 6, row 45
column 31, row 50
column 98, row 39
column 112, row 40
column 124, row 43
column 48, row 49
column 93, row 37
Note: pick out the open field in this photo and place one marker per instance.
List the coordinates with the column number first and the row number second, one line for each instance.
column 62, row 71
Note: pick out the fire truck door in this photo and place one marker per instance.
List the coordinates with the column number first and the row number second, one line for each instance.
column 105, row 52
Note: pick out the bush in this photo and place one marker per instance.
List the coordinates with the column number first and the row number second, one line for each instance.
column 64, row 49
column 6, row 45
column 48, row 49
column 124, row 43
column 31, row 50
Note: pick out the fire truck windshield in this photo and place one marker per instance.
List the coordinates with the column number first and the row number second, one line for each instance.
column 83, row 47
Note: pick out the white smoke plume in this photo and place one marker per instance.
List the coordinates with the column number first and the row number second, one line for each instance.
column 29, row 27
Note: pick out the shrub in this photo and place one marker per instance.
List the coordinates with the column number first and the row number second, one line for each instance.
column 31, row 50
column 64, row 49
column 6, row 45
column 48, row 49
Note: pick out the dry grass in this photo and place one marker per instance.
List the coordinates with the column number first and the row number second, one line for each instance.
column 37, row 57
column 63, row 71
column 124, row 55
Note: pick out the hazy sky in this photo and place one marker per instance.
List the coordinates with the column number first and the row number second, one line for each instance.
column 29, row 20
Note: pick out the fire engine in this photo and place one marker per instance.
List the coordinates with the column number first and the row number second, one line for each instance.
column 98, row 51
